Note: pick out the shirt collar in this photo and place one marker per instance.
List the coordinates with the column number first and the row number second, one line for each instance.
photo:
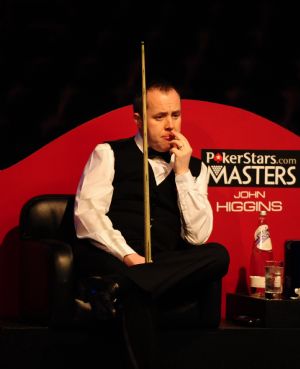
column 139, row 141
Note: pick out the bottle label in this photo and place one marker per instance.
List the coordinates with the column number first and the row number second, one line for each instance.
column 257, row 281
column 262, row 238
column 277, row 281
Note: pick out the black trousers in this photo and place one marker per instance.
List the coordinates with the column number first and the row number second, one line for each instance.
column 173, row 275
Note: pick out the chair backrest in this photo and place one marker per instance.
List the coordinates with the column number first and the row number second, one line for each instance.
column 48, row 216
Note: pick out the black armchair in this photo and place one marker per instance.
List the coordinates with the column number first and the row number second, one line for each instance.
column 50, row 289
column 48, row 286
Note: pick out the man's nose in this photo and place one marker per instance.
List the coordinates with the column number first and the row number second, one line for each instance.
column 169, row 124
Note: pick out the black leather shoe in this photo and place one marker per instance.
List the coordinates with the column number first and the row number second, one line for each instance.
column 102, row 293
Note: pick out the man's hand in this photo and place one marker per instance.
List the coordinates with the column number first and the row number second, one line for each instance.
column 133, row 259
column 181, row 148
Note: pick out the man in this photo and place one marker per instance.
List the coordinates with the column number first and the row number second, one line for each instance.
column 109, row 212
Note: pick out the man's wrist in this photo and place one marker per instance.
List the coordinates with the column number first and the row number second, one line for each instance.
column 133, row 259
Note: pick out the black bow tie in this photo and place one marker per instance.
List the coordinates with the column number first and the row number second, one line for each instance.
column 166, row 156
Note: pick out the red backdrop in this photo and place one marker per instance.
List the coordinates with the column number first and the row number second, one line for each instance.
column 56, row 168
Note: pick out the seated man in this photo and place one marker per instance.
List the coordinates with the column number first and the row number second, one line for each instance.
column 109, row 212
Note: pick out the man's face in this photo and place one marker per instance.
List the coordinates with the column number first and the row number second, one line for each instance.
column 163, row 117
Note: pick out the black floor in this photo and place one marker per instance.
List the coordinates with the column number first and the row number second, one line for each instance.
column 228, row 347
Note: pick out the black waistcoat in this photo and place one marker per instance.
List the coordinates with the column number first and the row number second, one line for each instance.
column 127, row 206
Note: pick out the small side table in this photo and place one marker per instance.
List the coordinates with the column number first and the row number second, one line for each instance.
column 262, row 312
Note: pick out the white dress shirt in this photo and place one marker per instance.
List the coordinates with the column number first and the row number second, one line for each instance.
column 95, row 191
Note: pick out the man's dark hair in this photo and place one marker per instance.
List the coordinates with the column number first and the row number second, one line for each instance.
column 164, row 86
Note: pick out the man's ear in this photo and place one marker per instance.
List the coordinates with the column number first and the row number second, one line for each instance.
column 138, row 120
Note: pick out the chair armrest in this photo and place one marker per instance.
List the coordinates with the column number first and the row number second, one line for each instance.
column 47, row 285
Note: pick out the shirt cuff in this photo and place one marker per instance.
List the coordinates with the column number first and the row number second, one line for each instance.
column 123, row 251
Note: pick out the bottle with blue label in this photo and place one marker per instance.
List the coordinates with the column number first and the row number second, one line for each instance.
column 262, row 251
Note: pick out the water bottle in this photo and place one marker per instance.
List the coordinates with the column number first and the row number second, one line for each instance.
column 261, row 252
